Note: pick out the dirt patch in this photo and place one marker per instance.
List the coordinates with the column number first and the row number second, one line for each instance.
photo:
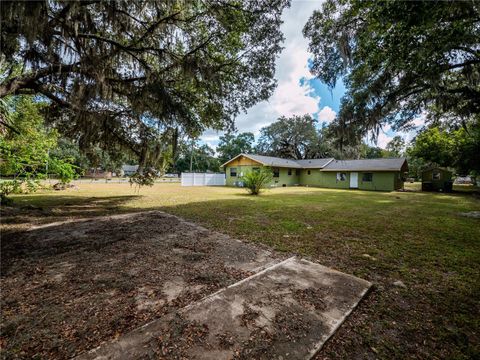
column 181, row 336
column 69, row 286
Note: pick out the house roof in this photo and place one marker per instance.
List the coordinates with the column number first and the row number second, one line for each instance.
column 288, row 163
column 314, row 163
column 329, row 164
column 394, row 164
column 274, row 161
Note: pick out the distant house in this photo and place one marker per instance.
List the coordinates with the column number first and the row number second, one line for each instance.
column 437, row 179
column 98, row 174
column 129, row 170
column 371, row 174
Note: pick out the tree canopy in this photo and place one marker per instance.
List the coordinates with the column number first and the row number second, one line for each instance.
column 201, row 157
column 230, row 145
column 397, row 58
column 129, row 74
column 450, row 147
column 295, row 137
column 28, row 153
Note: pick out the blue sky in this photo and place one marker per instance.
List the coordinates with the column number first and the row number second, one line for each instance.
column 298, row 91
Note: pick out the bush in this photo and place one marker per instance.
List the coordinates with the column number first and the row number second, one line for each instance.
column 256, row 180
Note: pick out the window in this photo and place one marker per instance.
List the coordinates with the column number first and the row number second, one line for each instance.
column 276, row 172
column 367, row 177
column 308, row 172
column 297, row 172
column 233, row 172
column 256, row 169
column 436, row 175
column 289, row 172
column 341, row 176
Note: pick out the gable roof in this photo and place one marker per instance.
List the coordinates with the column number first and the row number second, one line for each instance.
column 274, row 161
column 394, row 164
column 329, row 164
column 288, row 163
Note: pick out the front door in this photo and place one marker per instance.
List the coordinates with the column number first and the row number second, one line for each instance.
column 354, row 180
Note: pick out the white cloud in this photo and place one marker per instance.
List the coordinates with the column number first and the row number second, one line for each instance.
column 290, row 97
column 383, row 139
column 326, row 114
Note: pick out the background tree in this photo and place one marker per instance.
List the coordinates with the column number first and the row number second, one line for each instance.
column 120, row 73
column 295, row 137
column 202, row 158
column 26, row 148
column 371, row 152
column 396, row 146
column 457, row 147
column 230, row 145
column 397, row 58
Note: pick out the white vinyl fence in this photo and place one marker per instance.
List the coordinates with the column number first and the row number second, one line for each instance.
column 203, row 179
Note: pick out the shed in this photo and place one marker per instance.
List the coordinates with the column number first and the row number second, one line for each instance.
column 437, row 179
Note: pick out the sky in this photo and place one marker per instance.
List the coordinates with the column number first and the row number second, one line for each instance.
column 298, row 91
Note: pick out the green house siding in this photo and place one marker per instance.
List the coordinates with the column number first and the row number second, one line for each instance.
column 381, row 180
column 286, row 180
column 282, row 180
column 323, row 179
column 230, row 180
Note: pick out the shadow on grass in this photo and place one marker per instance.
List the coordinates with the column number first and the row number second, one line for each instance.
column 57, row 208
column 335, row 227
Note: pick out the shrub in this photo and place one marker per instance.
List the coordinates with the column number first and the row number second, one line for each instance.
column 256, row 180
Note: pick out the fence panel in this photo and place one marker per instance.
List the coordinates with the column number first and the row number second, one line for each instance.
column 203, row 179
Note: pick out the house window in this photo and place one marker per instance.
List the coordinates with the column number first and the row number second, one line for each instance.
column 367, row 177
column 276, row 172
column 233, row 172
column 297, row 172
column 341, row 176
column 436, row 175
column 289, row 172
column 308, row 172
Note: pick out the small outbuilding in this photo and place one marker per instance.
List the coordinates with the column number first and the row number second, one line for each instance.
column 437, row 179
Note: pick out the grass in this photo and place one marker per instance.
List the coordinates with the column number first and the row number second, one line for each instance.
column 417, row 238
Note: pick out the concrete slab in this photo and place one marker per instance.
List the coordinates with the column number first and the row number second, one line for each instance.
column 286, row 311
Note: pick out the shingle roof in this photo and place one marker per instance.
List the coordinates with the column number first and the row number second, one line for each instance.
column 329, row 164
column 314, row 163
column 366, row 165
column 274, row 161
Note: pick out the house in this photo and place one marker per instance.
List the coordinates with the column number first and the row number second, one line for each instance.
column 371, row 174
column 437, row 179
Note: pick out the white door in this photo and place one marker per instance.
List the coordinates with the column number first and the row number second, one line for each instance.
column 354, row 180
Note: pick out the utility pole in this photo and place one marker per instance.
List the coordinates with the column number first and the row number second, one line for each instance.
column 191, row 156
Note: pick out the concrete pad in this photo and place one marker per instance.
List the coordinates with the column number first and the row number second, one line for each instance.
column 286, row 311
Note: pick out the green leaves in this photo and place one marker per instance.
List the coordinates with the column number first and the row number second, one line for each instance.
column 119, row 74
column 398, row 58
column 295, row 137
column 26, row 153
column 231, row 145
column 458, row 148
column 256, row 180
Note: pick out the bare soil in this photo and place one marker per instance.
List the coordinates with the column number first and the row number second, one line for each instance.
column 69, row 286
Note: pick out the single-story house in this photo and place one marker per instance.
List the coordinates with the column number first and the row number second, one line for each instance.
column 370, row 174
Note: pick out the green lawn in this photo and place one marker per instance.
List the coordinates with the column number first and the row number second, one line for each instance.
column 418, row 238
